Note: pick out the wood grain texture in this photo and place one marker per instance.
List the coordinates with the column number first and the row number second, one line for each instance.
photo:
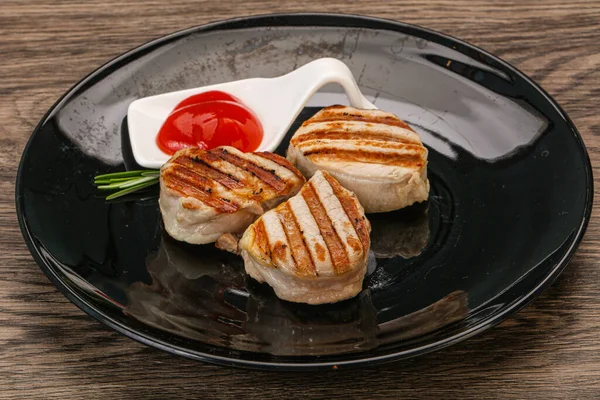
column 50, row 349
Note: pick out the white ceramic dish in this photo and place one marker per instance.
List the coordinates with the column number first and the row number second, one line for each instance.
column 275, row 101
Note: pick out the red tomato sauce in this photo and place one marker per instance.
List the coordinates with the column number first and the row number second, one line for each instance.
column 209, row 120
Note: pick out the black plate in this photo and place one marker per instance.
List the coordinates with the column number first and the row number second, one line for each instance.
column 511, row 194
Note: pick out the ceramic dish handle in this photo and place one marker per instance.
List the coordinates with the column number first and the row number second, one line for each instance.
column 306, row 80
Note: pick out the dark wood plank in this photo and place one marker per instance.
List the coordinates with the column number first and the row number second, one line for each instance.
column 50, row 349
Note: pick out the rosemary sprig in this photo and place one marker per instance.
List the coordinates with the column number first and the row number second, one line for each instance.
column 126, row 182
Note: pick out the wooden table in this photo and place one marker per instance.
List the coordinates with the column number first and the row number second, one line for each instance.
column 51, row 349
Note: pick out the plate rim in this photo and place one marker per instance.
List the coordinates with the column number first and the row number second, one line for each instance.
column 323, row 20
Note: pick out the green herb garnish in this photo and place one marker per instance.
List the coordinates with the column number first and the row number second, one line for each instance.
column 126, row 182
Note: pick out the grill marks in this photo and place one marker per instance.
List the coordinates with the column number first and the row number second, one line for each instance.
column 322, row 231
column 375, row 146
column 191, row 184
column 336, row 248
column 226, row 181
column 200, row 164
column 359, row 222
column 261, row 239
column 268, row 177
column 372, row 157
column 345, row 134
column 335, row 114
column 280, row 161
column 304, row 263
column 326, row 134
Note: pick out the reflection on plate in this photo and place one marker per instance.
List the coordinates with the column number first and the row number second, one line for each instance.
column 187, row 293
column 452, row 308
column 402, row 233
column 199, row 292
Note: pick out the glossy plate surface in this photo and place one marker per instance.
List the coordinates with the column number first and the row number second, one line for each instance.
column 511, row 194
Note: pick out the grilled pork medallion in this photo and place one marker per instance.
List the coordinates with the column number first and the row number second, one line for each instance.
column 207, row 193
column 370, row 152
column 313, row 248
